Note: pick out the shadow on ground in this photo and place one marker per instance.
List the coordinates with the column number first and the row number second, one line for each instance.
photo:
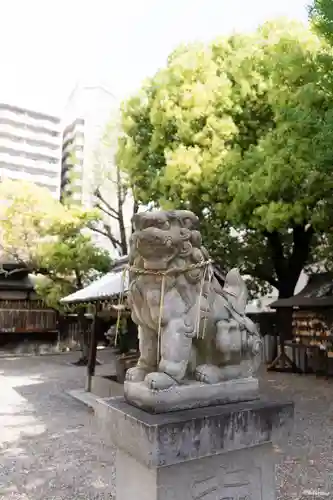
column 50, row 447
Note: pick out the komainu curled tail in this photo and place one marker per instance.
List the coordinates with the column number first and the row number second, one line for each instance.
column 236, row 289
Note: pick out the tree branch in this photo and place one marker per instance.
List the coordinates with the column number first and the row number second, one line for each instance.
column 106, row 212
column 97, row 230
column 101, row 198
column 262, row 274
column 115, row 242
column 121, row 192
column 12, row 253
column 107, row 233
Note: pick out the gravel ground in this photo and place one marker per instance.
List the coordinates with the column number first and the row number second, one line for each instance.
column 51, row 449
column 305, row 469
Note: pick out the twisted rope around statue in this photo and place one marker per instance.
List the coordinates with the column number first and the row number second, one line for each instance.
column 164, row 274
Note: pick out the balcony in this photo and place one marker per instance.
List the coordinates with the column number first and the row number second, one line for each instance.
column 30, row 170
column 30, row 119
column 24, row 174
column 77, row 124
column 74, row 196
column 26, row 150
column 76, row 135
column 19, row 161
column 72, row 175
column 19, row 135
column 33, row 129
column 72, row 147
column 34, row 114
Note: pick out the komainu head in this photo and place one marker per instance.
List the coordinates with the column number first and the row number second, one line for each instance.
column 161, row 237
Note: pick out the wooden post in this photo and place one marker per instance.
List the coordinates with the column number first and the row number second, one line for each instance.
column 92, row 348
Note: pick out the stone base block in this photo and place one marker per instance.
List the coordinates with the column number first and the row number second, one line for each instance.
column 103, row 387
column 240, row 475
column 213, row 453
column 191, row 395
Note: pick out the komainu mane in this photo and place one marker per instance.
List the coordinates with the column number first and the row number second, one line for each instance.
column 190, row 328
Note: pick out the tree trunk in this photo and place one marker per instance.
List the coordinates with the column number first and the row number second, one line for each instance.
column 288, row 269
column 284, row 314
column 122, row 231
column 121, row 200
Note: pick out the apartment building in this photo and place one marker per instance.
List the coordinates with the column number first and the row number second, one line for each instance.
column 86, row 115
column 89, row 110
column 30, row 147
column 72, row 160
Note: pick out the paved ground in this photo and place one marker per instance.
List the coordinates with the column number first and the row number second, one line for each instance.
column 50, row 447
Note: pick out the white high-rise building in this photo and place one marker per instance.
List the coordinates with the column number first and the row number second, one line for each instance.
column 89, row 111
column 30, row 147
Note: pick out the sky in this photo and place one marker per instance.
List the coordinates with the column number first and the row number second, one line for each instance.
column 47, row 46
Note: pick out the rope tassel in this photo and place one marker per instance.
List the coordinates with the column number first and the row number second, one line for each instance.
column 120, row 303
column 160, row 319
column 163, row 274
column 197, row 327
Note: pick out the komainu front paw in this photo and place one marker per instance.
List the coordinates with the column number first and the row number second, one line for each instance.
column 136, row 374
column 208, row 374
column 159, row 381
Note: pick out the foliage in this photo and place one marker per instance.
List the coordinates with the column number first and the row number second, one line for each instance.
column 52, row 291
column 321, row 16
column 50, row 239
column 239, row 131
column 25, row 215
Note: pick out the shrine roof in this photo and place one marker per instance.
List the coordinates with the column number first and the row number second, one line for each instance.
column 317, row 293
column 105, row 288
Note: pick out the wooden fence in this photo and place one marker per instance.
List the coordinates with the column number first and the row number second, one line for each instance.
column 25, row 315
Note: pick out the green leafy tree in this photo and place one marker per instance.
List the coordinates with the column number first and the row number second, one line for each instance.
column 47, row 236
column 70, row 260
column 321, row 16
column 50, row 240
column 240, row 132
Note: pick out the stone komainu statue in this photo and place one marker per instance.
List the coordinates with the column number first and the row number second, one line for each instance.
column 190, row 328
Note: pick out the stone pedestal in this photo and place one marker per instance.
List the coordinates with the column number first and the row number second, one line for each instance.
column 214, row 453
column 191, row 395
